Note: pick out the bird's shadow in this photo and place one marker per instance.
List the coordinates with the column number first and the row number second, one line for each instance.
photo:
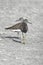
column 16, row 39
column 12, row 37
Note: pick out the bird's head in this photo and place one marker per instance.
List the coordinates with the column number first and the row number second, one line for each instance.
column 26, row 21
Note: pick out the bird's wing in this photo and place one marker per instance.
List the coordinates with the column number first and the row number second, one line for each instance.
column 16, row 26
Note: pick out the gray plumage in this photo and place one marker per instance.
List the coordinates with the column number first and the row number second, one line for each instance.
column 22, row 26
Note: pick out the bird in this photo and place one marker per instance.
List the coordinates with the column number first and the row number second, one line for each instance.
column 22, row 26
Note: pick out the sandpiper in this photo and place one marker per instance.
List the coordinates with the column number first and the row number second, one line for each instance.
column 22, row 26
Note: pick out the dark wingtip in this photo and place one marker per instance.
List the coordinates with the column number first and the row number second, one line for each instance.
column 6, row 28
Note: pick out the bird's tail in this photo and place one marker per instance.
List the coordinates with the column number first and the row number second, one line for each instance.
column 8, row 28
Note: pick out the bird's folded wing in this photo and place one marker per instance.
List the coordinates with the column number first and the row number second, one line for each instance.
column 16, row 26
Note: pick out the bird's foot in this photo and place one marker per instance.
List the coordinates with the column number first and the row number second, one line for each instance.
column 23, row 42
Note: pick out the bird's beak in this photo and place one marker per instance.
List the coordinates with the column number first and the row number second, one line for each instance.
column 29, row 22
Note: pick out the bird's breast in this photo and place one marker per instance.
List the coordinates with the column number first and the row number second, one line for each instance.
column 24, row 28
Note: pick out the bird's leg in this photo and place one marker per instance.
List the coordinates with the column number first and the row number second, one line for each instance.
column 23, row 38
column 18, row 34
